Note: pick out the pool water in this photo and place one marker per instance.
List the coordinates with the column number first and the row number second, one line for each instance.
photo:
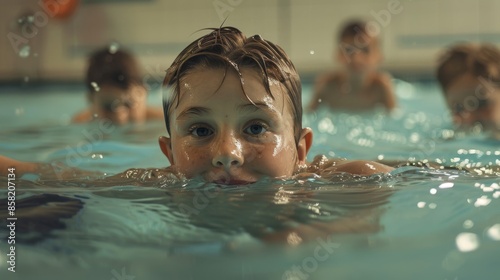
column 414, row 223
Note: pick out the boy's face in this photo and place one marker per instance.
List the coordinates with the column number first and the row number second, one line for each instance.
column 120, row 105
column 359, row 53
column 219, row 135
column 474, row 100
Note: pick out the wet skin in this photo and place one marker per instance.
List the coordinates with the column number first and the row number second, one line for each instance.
column 218, row 134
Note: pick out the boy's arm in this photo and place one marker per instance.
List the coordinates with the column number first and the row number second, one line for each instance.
column 324, row 167
column 49, row 172
column 384, row 81
column 46, row 171
column 318, row 91
column 82, row 117
column 21, row 167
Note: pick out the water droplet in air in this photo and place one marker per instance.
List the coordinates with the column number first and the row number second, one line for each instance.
column 95, row 86
column 24, row 51
column 311, row 52
column 113, row 48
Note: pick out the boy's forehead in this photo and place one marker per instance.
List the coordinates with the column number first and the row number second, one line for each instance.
column 207, row 82
column 206, row 85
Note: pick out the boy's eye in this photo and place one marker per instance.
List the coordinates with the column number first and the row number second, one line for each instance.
column 365, row 50
column 458, row 108
column 255, row 129
column 201, row 131
column 483, row 103
column 108, row 106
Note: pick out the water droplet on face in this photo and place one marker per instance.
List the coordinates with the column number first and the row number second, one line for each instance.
column 113, row 48
column 24, row 51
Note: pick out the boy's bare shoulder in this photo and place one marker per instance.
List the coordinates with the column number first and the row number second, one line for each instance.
column 321, row 165
column 330, row 77
column 381, row 78
column 154, row 113
column 82, row 117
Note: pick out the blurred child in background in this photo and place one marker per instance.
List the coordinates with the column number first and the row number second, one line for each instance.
column 115, row 89
column 359, row 85
column 469, row 75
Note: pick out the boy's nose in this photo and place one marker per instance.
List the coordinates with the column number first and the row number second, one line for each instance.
column 228, row 154
column 121, row 115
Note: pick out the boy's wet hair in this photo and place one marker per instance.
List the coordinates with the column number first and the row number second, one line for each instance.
column 115, row 67
column 352, row 29
column 479, row 60
column 228, row 48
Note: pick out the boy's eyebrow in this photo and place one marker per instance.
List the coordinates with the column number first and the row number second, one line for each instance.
column 256, row 106
column 193, row 111
column 198, row 111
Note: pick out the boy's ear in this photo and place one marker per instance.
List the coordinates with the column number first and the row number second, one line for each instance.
column 166, row 148
column 305, row 143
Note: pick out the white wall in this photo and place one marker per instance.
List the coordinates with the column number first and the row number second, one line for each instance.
column 157, row 30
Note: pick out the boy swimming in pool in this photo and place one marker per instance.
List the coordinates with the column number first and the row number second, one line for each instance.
column 115, row 89
column 359, row 86
column 469, row 75
column 233, row 113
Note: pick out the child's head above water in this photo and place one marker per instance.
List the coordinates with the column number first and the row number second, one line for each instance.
column 358, row 50
column 234, row 111
column 469, row 75
column 115, row 88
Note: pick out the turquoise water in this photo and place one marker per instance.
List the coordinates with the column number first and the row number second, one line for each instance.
column 412, row 224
